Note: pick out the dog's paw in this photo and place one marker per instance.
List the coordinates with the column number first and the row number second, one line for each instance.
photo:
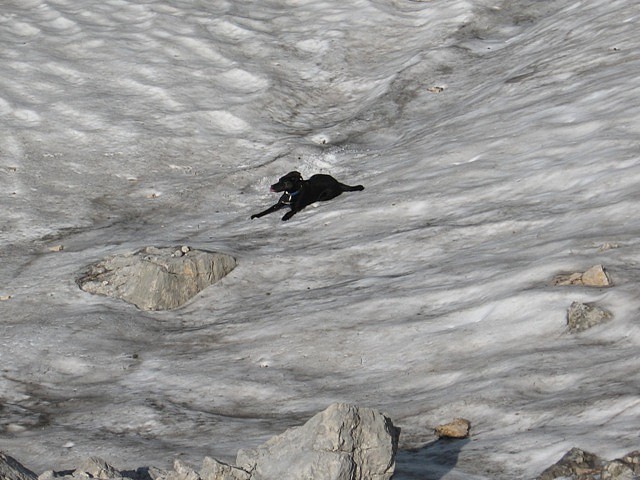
column 287, row 216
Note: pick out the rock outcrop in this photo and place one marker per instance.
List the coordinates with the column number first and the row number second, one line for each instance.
column 577, row 464
column 156, row 278
column 344, row 442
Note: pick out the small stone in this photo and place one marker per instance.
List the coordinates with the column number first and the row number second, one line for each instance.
column 595, row 276
column 4, row 298
column 69, row 445
column 458, row 428
column 435, row 89
column 178, row 253
column 608, row 246
column 56, row 248
column 582, row 316
column 15, row 428
column 185, row 249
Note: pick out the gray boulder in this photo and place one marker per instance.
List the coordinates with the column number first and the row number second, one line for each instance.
column 156, row 278
column 344, row 442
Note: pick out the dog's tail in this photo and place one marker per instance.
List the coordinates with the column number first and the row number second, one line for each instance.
column 349, row 188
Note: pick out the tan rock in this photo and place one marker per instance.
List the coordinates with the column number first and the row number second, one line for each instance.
column 458, row 428
column 595, row 276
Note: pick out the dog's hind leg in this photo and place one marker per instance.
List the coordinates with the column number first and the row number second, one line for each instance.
column 349, row 188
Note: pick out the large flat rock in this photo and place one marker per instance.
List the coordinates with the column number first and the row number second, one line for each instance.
column 156, row 278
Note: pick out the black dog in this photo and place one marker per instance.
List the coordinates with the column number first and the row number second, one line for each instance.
column 299, row 193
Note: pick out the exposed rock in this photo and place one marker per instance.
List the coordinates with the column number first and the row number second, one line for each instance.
column 155, row 278
column 458, row 428
column 212, row 469
column 575, row 462
column 617, row 470
column 633, row 459
column 344, row 442
column 95, row 467
column 582, row 316
column 595, row 276
column 182, row 471
column 11, row 469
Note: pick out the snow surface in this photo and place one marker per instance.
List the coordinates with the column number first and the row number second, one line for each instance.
column 162, row 122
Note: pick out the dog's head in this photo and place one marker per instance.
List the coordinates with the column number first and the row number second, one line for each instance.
column 291, row 182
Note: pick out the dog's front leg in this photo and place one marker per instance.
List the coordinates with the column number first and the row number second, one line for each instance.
column 269, row 210
column 288, row 215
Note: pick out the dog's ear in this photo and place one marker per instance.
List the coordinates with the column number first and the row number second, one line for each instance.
column 295, row 175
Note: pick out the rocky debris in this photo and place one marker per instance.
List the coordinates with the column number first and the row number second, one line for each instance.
column 11, row 469
column 156, row 278
column 582, row 316
column 211, row 470
column 344, row 442
column 595, row 276
column 458, row 428
column 577, row 464
column 608, row 246
column 95, row 467
column 214, row 470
